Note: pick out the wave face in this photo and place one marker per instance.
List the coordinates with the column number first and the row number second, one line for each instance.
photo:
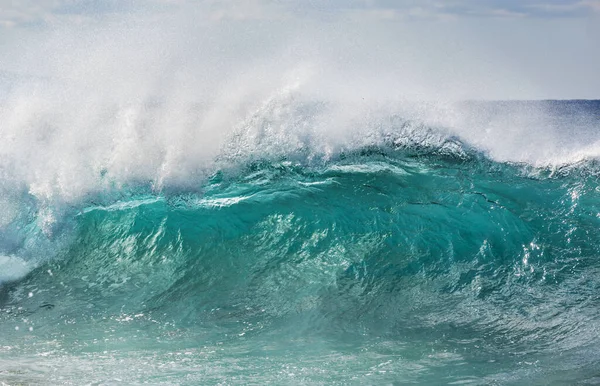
column 413, row 256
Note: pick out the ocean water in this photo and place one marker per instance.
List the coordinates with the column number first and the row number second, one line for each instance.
column 390, row 248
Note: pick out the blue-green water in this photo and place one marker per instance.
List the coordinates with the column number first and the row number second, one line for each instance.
column 386, row 264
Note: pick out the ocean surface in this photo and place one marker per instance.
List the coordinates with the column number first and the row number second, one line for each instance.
column 419, row 243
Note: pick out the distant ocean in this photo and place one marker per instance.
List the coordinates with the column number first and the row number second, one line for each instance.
column 417, row 243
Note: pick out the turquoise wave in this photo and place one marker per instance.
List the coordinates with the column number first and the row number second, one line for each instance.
column 380, row 265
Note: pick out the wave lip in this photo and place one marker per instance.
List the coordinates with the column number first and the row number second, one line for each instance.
column 133, row 143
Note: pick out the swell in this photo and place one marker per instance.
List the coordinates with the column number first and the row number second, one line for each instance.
column 382, row 242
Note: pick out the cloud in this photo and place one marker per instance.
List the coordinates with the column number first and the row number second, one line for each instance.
column 592, row 4
column 30, row 13
column 566, row 8
column 451, row 9
column 27, row 13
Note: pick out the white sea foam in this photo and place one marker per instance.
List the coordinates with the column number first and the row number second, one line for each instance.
column 127, row 98
column 13, row 268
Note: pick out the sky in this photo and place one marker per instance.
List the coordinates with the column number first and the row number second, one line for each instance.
column 456, row 49
column 36, row 12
